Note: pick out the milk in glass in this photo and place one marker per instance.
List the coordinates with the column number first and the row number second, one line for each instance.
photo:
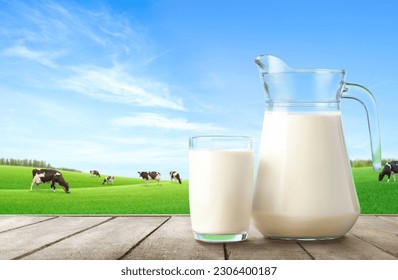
column 220, row 190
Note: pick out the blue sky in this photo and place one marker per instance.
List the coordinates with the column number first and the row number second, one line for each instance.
column 120, row 86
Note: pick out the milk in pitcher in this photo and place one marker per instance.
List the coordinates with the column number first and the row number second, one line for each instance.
column 304, row 186
column 302, row 190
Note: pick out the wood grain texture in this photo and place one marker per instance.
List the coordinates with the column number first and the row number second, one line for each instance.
column 258, row 247
column 13, row 222
column 378, row 231
column 174, row 241
column 169, row 237
column 390, row 217
column 16, row 243
column 108, row 241
column 348, row 247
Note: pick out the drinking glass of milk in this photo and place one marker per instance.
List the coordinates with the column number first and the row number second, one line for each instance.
column 220, row 187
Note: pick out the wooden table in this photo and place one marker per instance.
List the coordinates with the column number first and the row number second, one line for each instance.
column 169, row 237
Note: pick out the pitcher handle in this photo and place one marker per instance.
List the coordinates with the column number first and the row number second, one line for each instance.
column 366, row 98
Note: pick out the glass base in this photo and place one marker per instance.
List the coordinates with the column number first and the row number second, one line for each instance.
column 220, row 238
column 305, row 238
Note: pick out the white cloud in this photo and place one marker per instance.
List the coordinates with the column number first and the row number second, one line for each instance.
column 51, row 24
column 21, row 51
column 96, row 53
column 78, row 45
column 161, row 121
column 116, row 85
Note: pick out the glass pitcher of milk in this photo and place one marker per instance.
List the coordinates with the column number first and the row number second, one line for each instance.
column 304, row 188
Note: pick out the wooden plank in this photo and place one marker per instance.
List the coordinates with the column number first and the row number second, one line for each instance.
column 258, row 247
column 11, row 222
column 174, row 241
column 108, row 241
column 348, row 247
column 390, row 217
column 380, row 231
column 38, row 237
column 15, row 243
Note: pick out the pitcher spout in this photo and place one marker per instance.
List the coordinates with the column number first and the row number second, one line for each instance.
column 271, row 64
column 292, row 86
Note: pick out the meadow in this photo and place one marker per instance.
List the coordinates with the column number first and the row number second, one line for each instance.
column 89, row 196
column 375, row 197
column 131, row 196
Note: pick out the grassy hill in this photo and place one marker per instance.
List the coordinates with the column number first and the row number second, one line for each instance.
column 20, row 177
column 375, row 197
column 89, row 196
column 131, row 196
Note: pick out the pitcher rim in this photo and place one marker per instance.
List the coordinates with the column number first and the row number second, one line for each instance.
column 310, row 71
column 298, row 70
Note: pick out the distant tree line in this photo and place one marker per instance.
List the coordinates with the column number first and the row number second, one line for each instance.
column 366, row 162
column 68, row 169
column 44, row 164
column 25, row 162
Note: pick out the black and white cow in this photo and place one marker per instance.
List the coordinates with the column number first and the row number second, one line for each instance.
column 175, row 176
column 95, row 173
column 41, row 176
column 390, row 168
column 109, row 179
column 153, row 175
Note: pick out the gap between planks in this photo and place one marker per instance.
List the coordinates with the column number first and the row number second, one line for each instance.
column 61, row 239
column 143, row 239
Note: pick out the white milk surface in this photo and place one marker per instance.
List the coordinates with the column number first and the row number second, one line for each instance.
column 304, row 185
column 220, row 190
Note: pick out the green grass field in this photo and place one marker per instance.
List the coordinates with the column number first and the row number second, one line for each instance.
column 131, row 196
column 375, row 197
column 89, row 196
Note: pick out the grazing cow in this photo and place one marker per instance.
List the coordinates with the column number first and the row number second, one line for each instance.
column 154, row 175
column 46, row 176
column 175, row 176
column 390, row 168
column 95, row 173
column 109, row 179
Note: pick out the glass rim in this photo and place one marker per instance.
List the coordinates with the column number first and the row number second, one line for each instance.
column 216, row 142
column 215, row 136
